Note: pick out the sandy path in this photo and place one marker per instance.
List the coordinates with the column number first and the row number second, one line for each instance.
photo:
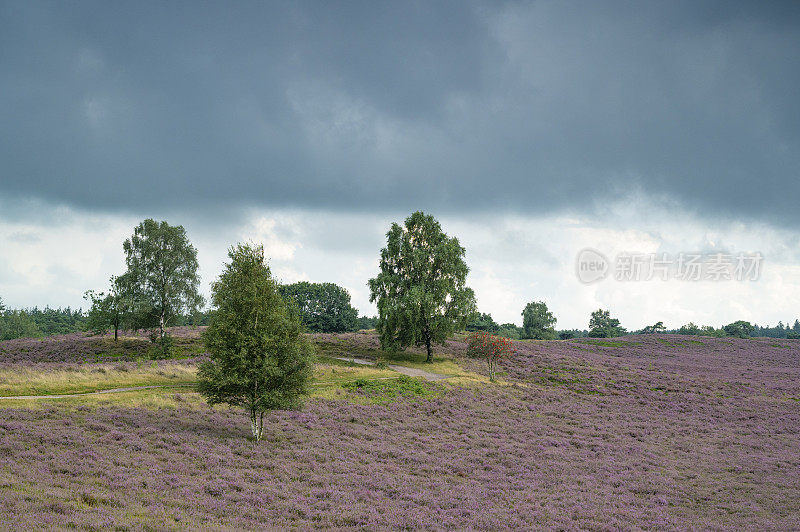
column 111, row 390
column 411, row 372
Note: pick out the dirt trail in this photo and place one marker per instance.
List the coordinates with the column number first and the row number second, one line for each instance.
column 111, row 390
column 411, row 372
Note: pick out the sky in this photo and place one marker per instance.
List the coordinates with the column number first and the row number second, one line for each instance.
column 531, row 130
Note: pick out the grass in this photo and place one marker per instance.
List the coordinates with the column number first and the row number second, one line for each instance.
column 443, row 363
column 328, row 376
column 91, row 378
column 332, row 378
column 335, row 375
column 152, row 399
column 386, row 391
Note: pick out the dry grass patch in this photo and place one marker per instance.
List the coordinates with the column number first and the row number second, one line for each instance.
column 91, row 378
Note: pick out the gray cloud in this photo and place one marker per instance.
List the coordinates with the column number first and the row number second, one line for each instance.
column 523, row 107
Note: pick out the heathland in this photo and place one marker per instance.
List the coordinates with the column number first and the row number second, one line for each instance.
column 648, row 431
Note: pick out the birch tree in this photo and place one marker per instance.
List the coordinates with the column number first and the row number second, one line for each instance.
column 259, row 357
column 421, row 289
column 162, row 275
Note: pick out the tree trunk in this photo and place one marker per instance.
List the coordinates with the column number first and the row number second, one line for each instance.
column 116, row 333
column 161, row 332
column 256, row 424
column 429, row 360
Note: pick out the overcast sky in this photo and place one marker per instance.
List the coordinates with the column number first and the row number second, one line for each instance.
column 532, row 130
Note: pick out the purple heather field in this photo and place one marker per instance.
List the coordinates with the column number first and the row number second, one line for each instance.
column 644, row 432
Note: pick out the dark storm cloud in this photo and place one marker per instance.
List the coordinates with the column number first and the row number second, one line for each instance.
column 530, row 107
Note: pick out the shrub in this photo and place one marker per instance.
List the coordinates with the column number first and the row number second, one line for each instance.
column 489, row 347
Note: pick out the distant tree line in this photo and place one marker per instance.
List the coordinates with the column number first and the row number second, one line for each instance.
column 538, row 323
column 35, row 322
column 159, row 289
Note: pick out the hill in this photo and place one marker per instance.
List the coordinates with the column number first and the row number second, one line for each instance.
column 654, row 431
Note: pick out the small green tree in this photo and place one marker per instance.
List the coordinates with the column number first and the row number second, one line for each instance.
column 654, row 329
column 739, row 329
column 690, row 329
column 709, row 330
column 324, row 307
column 538, row 322
column 109, row 309
column 259, row 358
column 602, row 325
column 421, row 289
column 162, row 279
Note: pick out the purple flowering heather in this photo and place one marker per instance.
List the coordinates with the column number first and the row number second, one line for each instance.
column 655, row 432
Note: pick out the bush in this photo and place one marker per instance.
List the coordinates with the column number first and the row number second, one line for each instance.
column 490, row 348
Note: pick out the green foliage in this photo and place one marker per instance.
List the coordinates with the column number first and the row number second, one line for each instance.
column 421, row 289
column 602, row 325
column 365, row 322
column 33, row 322
column 568, row 334
column 485, row 323
column 538, row 322
column 109, row 310
column 387, row 390
column 708, row 330
column 18, row 324
column 161, row 282
column 690, row 329
column 509, row 330
column 259, row 358
column 324, row 307
column 482, row 322
column 778, row 331
column 654, row 329
column 739, row 329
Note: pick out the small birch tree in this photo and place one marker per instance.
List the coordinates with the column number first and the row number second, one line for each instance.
column 259, row 358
